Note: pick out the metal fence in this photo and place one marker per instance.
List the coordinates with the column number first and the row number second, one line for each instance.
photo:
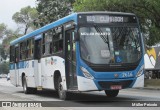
column 154, row 74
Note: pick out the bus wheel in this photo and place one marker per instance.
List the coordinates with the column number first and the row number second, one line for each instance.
column 61, row 92
column 111, row 93
column 26, row 89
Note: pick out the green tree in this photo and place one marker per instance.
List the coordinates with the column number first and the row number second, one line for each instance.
column 146, row 10
column 10, row 35
column 2, row 52
column 2, row 30
column 52, row 10
column 6, row 36
column 26, row 17
column 4, row 68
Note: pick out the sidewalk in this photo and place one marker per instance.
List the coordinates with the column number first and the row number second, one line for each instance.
column 152, row 84
column 149, row 88
column 3, row 81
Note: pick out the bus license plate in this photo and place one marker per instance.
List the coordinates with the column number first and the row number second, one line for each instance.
column 116, row 87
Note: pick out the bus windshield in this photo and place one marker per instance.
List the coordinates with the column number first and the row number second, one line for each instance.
column 109, row 45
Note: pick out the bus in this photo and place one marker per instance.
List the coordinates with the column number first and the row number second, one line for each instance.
column 85, row 51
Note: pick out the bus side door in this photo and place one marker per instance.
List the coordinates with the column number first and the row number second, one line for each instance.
column 37, row 63
column 70, row 59
column 17, row 65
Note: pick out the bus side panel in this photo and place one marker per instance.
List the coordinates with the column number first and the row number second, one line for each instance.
column 49, row 66
column 27, row 67
column 22, row 70
column 37, row 73
column 47, row 71
column 30, row 73
column 12, row 74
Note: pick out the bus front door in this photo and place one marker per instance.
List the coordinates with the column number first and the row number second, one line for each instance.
column 70, row 63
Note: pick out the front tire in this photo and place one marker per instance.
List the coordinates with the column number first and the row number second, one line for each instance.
column 61, row 92
column 111, row 93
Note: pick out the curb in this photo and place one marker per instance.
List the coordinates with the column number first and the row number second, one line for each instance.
column 149, row 88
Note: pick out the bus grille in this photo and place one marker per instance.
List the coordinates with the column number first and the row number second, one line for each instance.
column 107, row 84
column 113, row 69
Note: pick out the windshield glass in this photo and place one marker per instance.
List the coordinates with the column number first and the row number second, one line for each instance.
column 108, row 45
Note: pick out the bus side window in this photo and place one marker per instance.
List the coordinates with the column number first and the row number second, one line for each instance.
column 37, row 52
column 29, row 50
column 22, row 50
column 47, row 42
column 43, row 45
column 57, row 43
column 60, row 42
column 16, row 54
column 12, row 54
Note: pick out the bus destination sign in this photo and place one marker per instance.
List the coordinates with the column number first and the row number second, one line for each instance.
column 107, row 19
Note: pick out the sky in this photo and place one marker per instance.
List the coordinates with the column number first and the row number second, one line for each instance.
column 9, row 7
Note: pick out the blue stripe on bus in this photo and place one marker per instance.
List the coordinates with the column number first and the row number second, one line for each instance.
column 12, row 66
column 20, row 65
column 72, row 17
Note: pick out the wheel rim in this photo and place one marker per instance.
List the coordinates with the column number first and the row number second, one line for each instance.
column 61, row 91
column 24, row 86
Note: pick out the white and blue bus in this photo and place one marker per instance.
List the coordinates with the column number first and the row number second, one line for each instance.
column 86, row 51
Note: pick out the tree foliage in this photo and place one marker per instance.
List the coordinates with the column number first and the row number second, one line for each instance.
column 148, row 12
column 6, row 41
column 2, row 52
column 4, row 68
column 26, row 16
column 52, row 10
column 3, row 28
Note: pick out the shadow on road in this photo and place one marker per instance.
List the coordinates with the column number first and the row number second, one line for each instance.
column 84, row 100
column 81, row 96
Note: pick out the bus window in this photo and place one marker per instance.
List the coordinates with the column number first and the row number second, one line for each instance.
column 23, row 51
column 43, row 44
column 57, row 43
column 16, row 54
column 47, row 42
column 29, row 50
column 37, row 53
column 12, row 56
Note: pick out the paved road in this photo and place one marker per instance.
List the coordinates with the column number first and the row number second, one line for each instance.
column 91, row 100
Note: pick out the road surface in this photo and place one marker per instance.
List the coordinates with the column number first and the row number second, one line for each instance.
column 83, row 101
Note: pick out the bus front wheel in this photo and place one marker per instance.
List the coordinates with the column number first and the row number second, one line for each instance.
column 111, row 93
column 61, row 92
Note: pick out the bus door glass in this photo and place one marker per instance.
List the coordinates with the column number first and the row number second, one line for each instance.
column 70, row 59
column 37, row 62
column 16, row 65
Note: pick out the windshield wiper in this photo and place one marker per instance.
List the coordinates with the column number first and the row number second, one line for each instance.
column 104, row 37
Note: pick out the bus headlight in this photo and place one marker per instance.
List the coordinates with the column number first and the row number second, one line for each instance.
column 86, row 73
column 140, row 72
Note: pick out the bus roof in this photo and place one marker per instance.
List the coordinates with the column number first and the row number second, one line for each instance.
column 106, row 12
column 45, row 28
column 59, row 22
